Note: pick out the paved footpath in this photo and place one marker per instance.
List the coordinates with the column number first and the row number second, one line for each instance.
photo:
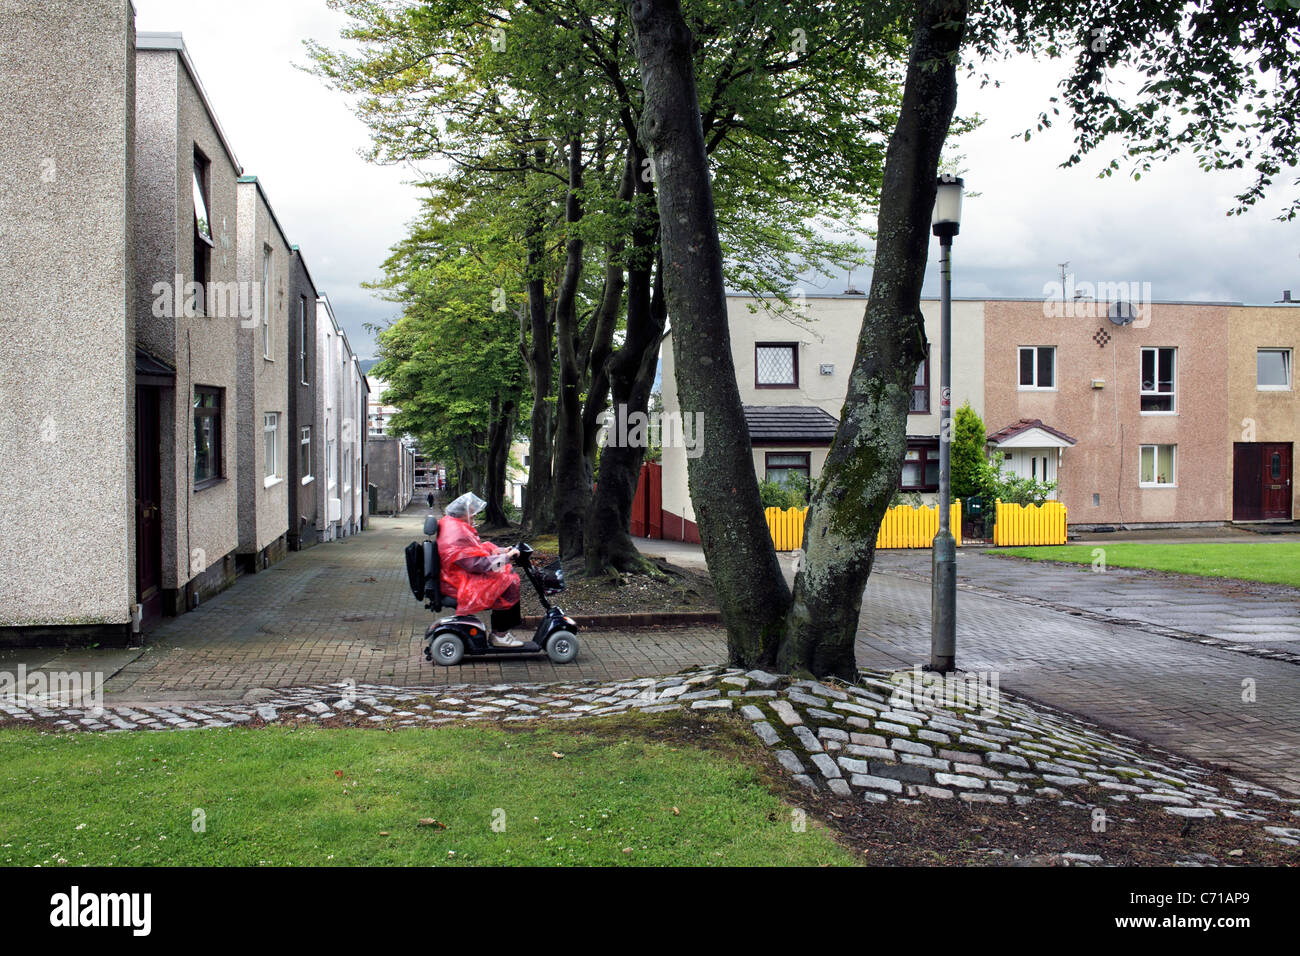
column 343, row 611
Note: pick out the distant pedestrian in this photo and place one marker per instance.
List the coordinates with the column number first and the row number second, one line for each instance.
column 431, row 499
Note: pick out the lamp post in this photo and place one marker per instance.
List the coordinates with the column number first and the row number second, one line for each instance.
column 946, row 223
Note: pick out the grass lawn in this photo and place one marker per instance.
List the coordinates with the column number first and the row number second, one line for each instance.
column 1272, row 562
column 630, row 790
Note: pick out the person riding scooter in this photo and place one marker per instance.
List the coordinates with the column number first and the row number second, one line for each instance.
column 478, row 572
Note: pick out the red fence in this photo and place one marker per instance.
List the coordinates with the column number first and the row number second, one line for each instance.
column 647, row 506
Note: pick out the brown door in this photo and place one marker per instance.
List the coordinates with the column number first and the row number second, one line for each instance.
column 1275, row 477
column 148, row 502
column 1246, row 481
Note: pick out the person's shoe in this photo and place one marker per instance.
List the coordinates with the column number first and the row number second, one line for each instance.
column 506, row 640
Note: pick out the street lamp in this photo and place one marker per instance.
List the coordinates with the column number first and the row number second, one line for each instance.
column 946, row 223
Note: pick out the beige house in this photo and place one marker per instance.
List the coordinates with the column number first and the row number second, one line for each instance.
column 792, row 366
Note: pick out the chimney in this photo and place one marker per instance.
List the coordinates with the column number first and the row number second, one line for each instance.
column 1286, row 296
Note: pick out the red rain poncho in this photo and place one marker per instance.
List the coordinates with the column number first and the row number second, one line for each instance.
column 474, row 592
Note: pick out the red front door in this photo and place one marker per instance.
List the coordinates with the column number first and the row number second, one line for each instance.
column 1275, row 488
column 148, row 502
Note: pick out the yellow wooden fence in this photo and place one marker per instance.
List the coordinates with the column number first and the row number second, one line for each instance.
column 1030, row 524
column 903, row 527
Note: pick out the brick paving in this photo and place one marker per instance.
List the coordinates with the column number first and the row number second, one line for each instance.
column 343, row 611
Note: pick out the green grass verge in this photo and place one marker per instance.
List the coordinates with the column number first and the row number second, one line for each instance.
column 323, row 797
column 1272, row 562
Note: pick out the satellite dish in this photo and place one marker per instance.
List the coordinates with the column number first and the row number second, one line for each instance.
column 1122, row 313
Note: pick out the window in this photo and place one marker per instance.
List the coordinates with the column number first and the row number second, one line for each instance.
column 780, row 466
column 302, row 337
column 776, row 365
column 202, row 233
column 921, row 388
column 1037, row 366
column 266, row 302
column 1157, row 465
column 330, row 458
column 271, row 438
column 1158, row 380
column 208, row 404
column 304, row 454
column 920, row 468
column 1273, row 369
column 347, row 467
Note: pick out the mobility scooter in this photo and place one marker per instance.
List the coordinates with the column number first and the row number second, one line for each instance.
column 449, row 639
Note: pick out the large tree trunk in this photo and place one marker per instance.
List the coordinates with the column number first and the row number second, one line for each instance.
column 862, row 469
column 752, row 593
column 631, row 371
column 572, row 476
column 539, row 498
column 498, row 457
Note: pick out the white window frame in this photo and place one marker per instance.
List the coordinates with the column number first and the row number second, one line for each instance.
column 1286, row 367
column 304, row 444
column 1155, row 393
column 1035, row 387
column 330, row 456
column 266, row 303
column 1155, row 461
column 271, row 447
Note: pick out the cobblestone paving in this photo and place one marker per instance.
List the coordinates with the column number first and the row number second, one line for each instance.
column 893, row 736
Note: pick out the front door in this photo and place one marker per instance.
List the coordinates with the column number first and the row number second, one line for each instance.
column 148, row 502
column 1275, row 491
column 1261, row 481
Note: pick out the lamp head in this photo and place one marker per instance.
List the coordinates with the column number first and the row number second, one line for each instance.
column 946, row 221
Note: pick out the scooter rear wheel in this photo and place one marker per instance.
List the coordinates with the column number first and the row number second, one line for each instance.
column 447, row 649
column 562, row 647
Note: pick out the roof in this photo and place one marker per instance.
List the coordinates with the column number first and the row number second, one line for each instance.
column 147, row 40
column 769, row 424
column 1002, row 436
column 266, row 201
column 149, row 367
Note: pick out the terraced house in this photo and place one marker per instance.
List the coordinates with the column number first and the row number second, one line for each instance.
column 146, row 378
column 1168, row 413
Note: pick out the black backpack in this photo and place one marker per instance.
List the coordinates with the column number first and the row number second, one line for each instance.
column 423, row 570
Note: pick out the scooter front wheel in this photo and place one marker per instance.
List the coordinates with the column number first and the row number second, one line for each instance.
column 447, row 649
column 562, row 647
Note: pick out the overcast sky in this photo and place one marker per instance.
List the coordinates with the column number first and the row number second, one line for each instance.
column 1169, row 229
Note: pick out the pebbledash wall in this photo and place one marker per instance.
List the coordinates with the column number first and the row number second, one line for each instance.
column 174, row 122
column 264, row 367
column 67, row 399
column 1095, row 397
column 97, row 245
